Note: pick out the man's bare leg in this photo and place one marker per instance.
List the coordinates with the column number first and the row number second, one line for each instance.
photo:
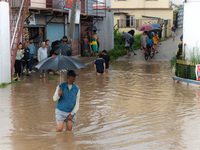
column 69, row 125
column 60, row 126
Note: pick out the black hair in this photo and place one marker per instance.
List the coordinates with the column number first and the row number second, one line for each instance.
column 100, row 55
column 64, row 37
column 47, row 40
column 30, row 39
column 104, row 51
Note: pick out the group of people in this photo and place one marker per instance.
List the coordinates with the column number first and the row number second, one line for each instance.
column 24, row 58
column 87, row 42
column 101, row 64
column 149, row 41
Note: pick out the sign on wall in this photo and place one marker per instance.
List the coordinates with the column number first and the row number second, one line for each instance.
column 68, row 4
column 198, row 72
column 31, row 19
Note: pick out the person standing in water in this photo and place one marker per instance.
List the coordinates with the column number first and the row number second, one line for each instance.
column 99, row 65
column 107, row 59
column 67, row 95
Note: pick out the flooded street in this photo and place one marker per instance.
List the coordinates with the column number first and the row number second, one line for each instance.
column 136, row 106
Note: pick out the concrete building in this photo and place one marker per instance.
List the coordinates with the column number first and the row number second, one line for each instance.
column 191, row 37
column 50, row 20
column 129, row 14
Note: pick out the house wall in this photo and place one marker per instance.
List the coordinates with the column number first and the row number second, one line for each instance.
column 191, row 28
column 5, row 60
column 140, row 4
column 163, row 14
column 106, row 35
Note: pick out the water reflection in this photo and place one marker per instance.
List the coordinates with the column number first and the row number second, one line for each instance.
column 134, row 106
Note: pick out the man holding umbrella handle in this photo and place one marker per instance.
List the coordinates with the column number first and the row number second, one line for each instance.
column 67, row 95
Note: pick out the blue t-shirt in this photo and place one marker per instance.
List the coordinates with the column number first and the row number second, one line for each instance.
column 150, row 42
column 99, row 65
column 31, row 49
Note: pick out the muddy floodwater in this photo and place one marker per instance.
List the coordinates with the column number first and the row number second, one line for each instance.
column 135, row 106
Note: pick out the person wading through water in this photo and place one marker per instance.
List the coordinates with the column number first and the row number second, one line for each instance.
column 67, row 95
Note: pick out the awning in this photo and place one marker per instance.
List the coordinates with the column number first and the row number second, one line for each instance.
column 151, row 17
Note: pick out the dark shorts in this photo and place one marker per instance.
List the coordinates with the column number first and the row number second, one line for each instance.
column 149, row 46
column 127, row 48
column 100, row 71
column 26, row 63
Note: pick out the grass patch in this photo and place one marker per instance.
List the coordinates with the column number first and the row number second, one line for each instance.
column 3, row 85
column 51, row 78
column 119, row 44
column 163, row 39
column 173, row 62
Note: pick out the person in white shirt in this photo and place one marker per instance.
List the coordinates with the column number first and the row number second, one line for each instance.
column 42, row 54
column 67, row 95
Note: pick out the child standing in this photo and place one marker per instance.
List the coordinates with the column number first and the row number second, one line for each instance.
column 155, row 40
column 99, row 65
column 86, row 44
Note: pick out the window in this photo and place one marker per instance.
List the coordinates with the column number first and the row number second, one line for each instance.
column 129, row 21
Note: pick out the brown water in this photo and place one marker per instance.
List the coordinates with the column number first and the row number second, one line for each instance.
column 135, row 106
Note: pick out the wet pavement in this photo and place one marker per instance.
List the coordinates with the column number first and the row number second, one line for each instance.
column 136, row 106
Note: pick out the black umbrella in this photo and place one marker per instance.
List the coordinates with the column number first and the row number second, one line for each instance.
column 60, row 62
column 61, row 47
column 93, row 28
column 127, row 36
column 155, row 30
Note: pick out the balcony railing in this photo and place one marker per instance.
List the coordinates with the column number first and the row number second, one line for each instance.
column 88, row 7
column 136, row 23
column 93, row 7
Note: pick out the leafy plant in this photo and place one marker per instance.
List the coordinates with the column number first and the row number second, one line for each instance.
column 173, row 62
column 3, row 85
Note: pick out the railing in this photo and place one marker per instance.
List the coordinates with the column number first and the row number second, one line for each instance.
column 185, row 69
column 18, row 13
column 136, row 23
column 88, row 7
column 93, row 7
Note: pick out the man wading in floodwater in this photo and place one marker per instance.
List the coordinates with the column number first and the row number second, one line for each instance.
column 67, row 94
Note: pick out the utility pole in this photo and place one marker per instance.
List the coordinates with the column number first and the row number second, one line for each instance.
column 72, row 21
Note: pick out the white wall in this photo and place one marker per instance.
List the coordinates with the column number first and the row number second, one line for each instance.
column 106, row 35
column 5, row 62
column 191, row 23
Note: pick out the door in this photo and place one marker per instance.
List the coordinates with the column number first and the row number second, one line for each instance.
column 55, row 31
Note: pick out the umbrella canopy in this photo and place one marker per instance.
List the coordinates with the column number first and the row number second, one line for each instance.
column 145, row 28
column 155, row 25
column 132, row 32
column 127, row 36
column 61, row 47
column 155, row 30
column 60, row 62
column 93, row 28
